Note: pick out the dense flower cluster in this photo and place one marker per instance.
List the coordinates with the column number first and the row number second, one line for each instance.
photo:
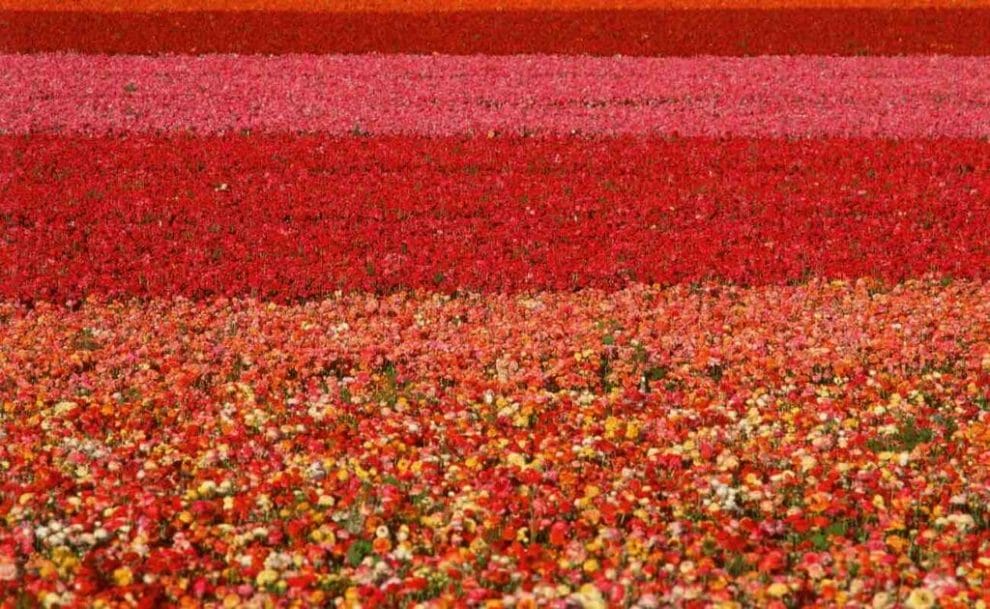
column 731, row 32
column 824, row 443
column 287, row 217
column 903, row 97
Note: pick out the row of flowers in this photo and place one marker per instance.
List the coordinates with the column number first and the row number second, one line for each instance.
column 716, row 31
column 409, row 94
column 286, row 217
column 461, row 5
column 818, row 444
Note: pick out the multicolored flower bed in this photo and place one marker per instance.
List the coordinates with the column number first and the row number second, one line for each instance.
column 824, row 442
column 451, row 304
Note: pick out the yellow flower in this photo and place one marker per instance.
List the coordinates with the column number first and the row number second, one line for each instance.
column 267, row 577
column 206, row 488
column 920, row 598
column 635, row 548
column 590, row 566
column 123, row 576
column 231, row 600
column 632, row 431
column 778, row 590
column 65, row 561
column 590, row 597
column 516, row 460
column 612, row 425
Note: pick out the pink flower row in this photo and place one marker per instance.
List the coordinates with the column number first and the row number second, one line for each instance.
column 445, row 95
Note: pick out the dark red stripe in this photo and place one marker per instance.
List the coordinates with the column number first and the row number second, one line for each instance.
column 286, row 217
column 657, row 32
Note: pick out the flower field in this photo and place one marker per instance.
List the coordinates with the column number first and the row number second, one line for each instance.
column 500, row 304
column 823, row 442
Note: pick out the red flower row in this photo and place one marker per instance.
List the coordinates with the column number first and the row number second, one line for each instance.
column 286, row 217
column 661, row 32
